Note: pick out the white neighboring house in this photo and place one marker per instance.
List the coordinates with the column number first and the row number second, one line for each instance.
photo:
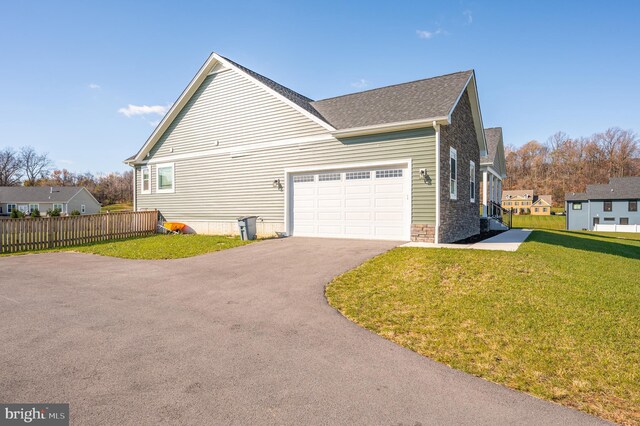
column 64, row 198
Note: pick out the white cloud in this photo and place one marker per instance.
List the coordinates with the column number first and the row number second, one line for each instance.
column 94, row 86
column 132, row 110
column 469, row 15
column 360, row 84
column 68, row 162
column 430, row 34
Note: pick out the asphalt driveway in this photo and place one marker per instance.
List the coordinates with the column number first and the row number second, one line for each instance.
column 242, row 336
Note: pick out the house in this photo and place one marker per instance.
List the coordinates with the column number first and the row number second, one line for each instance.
column 525, row 202
column 43, row 198
column 542, row 205
column 400, row 162
column 607, row 207
column 493, row 167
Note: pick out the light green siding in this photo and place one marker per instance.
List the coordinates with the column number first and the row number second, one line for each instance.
column 220, row 186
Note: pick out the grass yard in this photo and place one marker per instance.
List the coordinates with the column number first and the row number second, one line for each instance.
column 121, row 207
column 538, row 222
column 559, row 318
column 156, row 246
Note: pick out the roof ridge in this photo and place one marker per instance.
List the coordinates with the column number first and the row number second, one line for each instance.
column 394, row 85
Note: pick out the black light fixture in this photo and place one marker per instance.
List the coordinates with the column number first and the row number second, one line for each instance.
column 277, row 184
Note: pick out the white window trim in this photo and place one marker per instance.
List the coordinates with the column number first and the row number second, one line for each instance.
column 472, row 179
column 83, row 208
column 34, row 204
column 53, row 206
column 142, row 170
column 9, row 209
column 173, row 178
column 453, row 154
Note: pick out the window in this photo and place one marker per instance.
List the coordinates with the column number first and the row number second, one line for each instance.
column 388, row 173
column 624, row 221
column 164, row 177
column 357, row 175
column 146, row 180
column 11, row 207
column 576, row 206
column 633, row 206
column 544, row 209
column 609, row 219
column 328, row 176
column 33, row 207
column 536, row 209
column 596, row 221
column 516, row 203
column 453, row 174
column 607, row 206
column 82, row 208
column 303, row 178
column 472, row 181
column 58, row 207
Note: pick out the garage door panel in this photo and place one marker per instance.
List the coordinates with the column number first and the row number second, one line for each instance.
column 360, row 203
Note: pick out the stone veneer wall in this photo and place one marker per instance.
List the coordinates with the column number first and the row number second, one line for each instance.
column 459, row 219
column 423, row 232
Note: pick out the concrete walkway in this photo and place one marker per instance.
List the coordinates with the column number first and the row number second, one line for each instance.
column 242, row 336
column 506, row 241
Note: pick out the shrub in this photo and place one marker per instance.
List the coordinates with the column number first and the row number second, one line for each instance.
column 53, row 213
column 16, row 214
column 74, row 213
column 35, row 213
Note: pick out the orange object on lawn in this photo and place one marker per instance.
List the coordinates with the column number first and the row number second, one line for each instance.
column 174, row 226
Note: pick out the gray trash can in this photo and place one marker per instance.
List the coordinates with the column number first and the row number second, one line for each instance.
column 247, row 225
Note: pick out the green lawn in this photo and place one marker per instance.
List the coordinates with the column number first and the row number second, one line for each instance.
column 157, row 246
column 559, row 318
column 121, row 207
column 538, row 222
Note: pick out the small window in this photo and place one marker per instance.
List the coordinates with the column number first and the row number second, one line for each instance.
column 146, row 180
column 303, row 178
column 624, row 221
column 544, row 209
column 11, row 207
column 324, row 177
column 57, row 207
column 607, row 206
column 609, row 219
column 536, row 209
column 633, row 206
column 516, row 203
column 576, row 206
column 33, row 207
column 83, row 209
column 388, row 173
column 453, row 174
column 358, row 175
column 472, row 181
column 165, row 177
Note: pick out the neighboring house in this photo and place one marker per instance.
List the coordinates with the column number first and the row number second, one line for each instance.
column 525, row 202
column 615, row 203
column 43, row 198
column 400, row 162
column 493, row 167
column 542, row 205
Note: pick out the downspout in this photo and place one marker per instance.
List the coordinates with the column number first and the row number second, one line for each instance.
column 436, row 238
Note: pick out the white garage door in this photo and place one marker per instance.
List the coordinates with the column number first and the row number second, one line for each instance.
column 372, row 203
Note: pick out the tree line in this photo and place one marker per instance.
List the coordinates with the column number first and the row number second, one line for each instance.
column 564, row 164
column 27, row 167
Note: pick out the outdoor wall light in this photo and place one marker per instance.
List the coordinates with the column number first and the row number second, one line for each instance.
column 277, row 184
column 425, row 176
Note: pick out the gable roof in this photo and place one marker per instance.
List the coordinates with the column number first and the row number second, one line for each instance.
column 429, row 98
column 38, row 194
column 415, row 104
column 522, row 193
column 544, row 199
column 617, row 188
column 493, row 136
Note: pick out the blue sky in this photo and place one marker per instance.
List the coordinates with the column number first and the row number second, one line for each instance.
column 69, row 70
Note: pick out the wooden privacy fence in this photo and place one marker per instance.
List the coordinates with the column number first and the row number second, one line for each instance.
column 50, row 232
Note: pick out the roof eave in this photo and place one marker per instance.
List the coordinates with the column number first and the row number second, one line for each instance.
column 390, row 127
column 477, row 113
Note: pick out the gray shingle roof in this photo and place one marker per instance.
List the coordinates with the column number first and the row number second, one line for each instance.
column 37, row 194
column 493, row 136
column 421, row 99
column 617, row 188
column 517, row 193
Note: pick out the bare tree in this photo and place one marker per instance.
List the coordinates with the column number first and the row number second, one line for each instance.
column 10, row 167
column 35, row 166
